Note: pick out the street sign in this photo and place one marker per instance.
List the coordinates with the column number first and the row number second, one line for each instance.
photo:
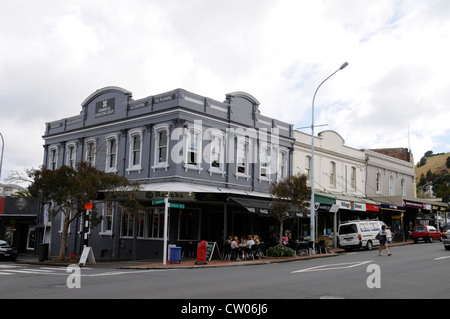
column 175, row 205
column 158, row 201
column 88, row 205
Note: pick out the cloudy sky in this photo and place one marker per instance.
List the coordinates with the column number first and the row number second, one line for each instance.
column 394, row 93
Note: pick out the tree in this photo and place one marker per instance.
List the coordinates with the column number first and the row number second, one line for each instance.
column 289, row 193
column 67, row 190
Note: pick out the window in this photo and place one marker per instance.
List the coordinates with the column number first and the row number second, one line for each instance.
column 140, row 224
column 162, row 146
column 193, row 158
column 353, row 178
column 108, row 217
column 155, row 223
column 111, row 153
column 403, row 187
column 216, row 151
column 90, row 151
column 378, row 183
column 71, row 155
column 53, row 158
column 264, row 162
column 308, row 166
column 333, row 174
column 161, row 133
column 282, row 164
column 391, row 186
column 241, row 158
column 127, row 229
column 193, row 148
column 135, row 140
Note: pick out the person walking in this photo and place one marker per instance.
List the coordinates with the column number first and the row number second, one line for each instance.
column 383, row 240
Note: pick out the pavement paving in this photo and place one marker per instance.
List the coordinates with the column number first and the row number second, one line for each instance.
column 185, row 262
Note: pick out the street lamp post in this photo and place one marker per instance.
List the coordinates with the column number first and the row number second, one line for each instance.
column 312, row 204
column 1, row 159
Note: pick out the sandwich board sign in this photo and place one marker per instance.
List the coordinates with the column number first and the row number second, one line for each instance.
column 86, row 255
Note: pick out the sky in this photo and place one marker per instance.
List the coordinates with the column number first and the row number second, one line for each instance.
column 395, row 92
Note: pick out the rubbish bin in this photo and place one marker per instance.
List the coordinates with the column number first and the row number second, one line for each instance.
column 175, row 254
column 43, row 252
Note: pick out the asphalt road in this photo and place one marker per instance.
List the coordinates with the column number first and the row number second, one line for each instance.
column 418, row 271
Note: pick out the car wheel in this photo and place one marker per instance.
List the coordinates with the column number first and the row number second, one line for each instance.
column 415, row 241
column 430, row 239
column 447, row 247
column 369, row 245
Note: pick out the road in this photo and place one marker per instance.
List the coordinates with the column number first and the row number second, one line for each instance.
column 413, row 271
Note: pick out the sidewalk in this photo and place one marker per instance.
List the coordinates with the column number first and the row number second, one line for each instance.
column 185, row 262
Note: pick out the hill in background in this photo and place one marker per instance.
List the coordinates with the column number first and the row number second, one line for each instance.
column 434, row 162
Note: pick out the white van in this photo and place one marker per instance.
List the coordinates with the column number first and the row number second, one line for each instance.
column 360, row 234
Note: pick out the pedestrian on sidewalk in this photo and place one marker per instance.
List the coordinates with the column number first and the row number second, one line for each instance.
column 382, row 235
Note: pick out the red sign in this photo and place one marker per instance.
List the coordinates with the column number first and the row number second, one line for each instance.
column 88, row 205
column 373, row 208
column 201, row 253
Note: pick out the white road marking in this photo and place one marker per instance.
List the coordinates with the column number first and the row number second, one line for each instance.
column 333, row 266
column 439, row 258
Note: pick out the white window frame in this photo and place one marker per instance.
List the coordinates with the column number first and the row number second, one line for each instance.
column 353, row 178
column 217, row 140
column 109, row 139
column 107, row 207
column 71, row 158
column 265, row 161
column 283, row 164
column 403, row 186
column 378, row 184
column 133, row 167
column 391, row 185
column 53, row 154
column 193, row 134
column 332, row 174
column 242, row 154
column 158, row 164
column 88, row 143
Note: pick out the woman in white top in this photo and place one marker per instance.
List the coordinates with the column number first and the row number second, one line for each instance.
column 383, row 239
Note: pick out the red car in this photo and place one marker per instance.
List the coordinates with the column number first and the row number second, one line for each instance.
column 425, row 233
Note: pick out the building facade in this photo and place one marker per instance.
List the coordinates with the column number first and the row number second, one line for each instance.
column 217, row 159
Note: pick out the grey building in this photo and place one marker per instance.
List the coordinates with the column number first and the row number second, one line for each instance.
column 215, row 158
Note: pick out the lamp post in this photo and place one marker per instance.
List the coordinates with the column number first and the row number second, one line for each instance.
column 312, row 204
column 1, row 162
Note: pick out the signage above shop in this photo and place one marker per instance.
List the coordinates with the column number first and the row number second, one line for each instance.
column 105, row 107
column 351, row 205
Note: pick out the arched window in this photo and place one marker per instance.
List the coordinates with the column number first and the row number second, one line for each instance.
column 378, row 183
column 333, row 174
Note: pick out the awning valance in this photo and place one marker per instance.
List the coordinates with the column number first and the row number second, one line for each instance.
column 259, row 206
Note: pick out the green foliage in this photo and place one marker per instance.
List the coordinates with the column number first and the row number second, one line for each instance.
column 280, row 251
column 67, row 190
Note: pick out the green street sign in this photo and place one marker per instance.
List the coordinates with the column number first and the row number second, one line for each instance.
column 157, row 201
column 175, row 205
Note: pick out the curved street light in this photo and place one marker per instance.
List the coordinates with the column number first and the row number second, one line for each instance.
column 312, row 204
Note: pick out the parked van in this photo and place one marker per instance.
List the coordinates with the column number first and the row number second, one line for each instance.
column 360, row 234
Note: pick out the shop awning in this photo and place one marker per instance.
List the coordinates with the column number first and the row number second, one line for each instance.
column 259, row 206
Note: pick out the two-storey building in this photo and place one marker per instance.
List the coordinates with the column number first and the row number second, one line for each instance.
column 215, row 158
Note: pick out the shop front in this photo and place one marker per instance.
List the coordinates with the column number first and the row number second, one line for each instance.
column 18, row 222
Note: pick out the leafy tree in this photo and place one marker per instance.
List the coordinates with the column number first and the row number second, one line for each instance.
column 67, row 190
column 291, row 192
column 447, row 163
